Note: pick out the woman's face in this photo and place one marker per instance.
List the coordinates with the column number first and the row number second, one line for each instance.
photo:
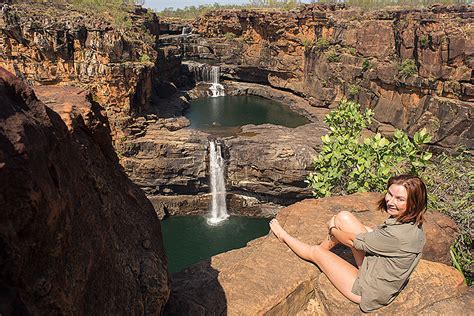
column 396, row 199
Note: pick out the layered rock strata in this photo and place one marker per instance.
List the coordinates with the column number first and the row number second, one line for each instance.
column 170, row 162
column 54, row 45
column 77, row 236
column 413, row 67
column 266, row 277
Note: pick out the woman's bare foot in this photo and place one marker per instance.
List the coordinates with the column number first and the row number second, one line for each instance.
column 277, row 229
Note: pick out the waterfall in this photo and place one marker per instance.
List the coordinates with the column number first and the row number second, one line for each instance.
column 216, row 88
column 216, row 170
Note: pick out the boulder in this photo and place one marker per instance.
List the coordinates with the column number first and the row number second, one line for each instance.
column 266, row 277
column 78, row 237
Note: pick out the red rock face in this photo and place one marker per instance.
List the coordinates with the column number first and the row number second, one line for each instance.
column 77, row 237
column 319, row 52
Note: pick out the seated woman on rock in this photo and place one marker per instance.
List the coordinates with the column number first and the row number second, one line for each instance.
column 385, row 255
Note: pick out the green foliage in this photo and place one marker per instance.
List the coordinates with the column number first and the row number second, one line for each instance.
column 308, row 43
column 333, row 57
column 230, row 36
column 424, row 41
column 353, row 90
column 408, row 68
column 366, row 64
column 346, row 165
column 145, row 59
column 450, row 182
column 322, row 43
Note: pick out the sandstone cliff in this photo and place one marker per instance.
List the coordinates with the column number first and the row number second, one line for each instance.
column 77, row 236
column 54, row 45
column 325, row 53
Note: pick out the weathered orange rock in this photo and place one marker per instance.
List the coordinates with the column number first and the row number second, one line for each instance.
column 266, row 277
column 78, row 237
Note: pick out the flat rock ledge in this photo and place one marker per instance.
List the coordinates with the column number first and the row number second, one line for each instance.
column 267, row 278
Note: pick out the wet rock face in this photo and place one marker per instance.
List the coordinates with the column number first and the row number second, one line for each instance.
column 77, row 235
column 47, row 44
column 326, row 53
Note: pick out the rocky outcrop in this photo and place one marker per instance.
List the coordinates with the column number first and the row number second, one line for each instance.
column 166, row 159
column 325, row 53
column 77, row 236
column 266, row 277
column 46, row 44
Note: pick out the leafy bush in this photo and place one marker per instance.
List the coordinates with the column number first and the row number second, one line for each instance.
column 322, row 43
column 308, row 43
column 345, row 165
column 333, row 57
column 145, row 59
column 229, row 36
column 450, row 182
column 408, row 68
column 353, row 90
column 424, row 41
column 366, row 64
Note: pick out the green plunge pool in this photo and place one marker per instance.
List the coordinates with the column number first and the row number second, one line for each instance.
column 224, row 115
column 189, row 239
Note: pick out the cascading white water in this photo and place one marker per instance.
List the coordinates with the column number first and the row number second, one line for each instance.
column 216, row 170
column 216, row 88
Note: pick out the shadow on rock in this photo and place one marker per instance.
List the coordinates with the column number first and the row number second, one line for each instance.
column 188, row 297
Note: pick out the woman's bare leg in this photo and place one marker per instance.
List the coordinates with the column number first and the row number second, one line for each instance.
column 341, row 273
column 347, row 222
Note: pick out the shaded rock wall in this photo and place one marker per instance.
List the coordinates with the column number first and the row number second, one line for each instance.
column 49, row 45
column 325, row 53
column 77, row 236
column 267, row 278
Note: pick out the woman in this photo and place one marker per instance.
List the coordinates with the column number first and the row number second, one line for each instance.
column 385, row 255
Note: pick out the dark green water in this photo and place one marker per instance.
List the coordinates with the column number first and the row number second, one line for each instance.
column 230, row 112
column 189, row 239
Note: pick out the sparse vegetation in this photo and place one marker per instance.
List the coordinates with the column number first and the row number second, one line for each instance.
column 366, row 65
column 145, row 59
column 333, row 57
column 424, row 41
column 408, row 68
column 353, row 90
column 322, row 43
column 450, row 181
column 230, row 36
column 308, row 43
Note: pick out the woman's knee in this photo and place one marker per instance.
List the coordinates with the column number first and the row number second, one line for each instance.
column 343, row 218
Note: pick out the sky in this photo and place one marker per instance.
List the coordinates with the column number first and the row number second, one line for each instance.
column 159, row 5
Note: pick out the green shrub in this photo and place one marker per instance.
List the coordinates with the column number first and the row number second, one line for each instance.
column 366, row 64
column 230, row 36
column 308, row 43
column 450, row 183
column 353, row 90
column 408, row 68
column 322, row 43
column 345, row 165
column 333, row 57
column 424, row 41
column 145, row 59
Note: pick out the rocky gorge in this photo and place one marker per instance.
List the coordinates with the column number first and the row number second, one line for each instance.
column 139, row 84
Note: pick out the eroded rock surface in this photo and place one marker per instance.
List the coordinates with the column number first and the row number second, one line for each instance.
column 77, row 236
column 328, row 52
column 54, row 44
column 266, row 277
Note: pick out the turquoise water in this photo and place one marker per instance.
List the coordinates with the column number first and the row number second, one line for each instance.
column 189, row 239
column 229, row 112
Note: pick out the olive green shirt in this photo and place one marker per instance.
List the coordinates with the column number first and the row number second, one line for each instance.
column 392, row 252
